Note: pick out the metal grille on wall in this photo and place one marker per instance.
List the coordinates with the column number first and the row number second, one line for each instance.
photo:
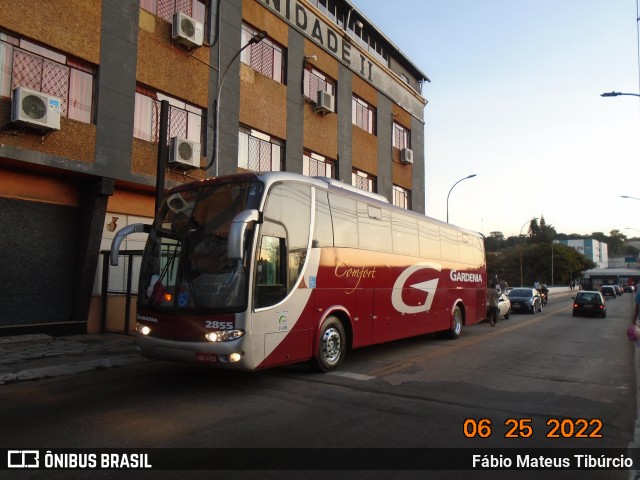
column 362, row 114
column 262, row 58
column 166, row 8
column 40, row 74
column 313, row 84
column 361, row 182
column 400, row 136
column 260, row 155
column 316, row 168
column 178, row 120
column 401, row 197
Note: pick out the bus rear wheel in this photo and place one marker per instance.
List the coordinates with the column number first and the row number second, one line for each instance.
column 456, row 325
column 332, row 345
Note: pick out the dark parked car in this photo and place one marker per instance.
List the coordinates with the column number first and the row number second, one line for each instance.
column 527, row 299
column 608, row 291
column 589, row 303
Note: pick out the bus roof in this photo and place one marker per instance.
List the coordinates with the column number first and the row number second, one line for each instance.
column 331, row 184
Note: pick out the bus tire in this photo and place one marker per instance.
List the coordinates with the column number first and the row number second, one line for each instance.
column 456, row 325
column 332, row 345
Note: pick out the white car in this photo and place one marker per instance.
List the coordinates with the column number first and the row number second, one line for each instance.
column 504, row 305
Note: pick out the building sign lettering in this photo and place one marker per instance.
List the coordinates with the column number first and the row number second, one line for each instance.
column 305, row 20
column 338, row 44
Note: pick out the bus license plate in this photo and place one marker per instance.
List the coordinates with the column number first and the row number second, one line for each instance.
column 206, row 357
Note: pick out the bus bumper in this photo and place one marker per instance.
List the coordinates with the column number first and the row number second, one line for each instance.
column 221, row 355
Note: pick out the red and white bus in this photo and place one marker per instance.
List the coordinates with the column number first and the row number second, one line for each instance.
column 256, row 270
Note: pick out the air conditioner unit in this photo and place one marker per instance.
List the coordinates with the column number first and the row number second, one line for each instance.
column 186, row 30
column 184, row 153
column 35, row 109
column 406, row 156
column 325, row 102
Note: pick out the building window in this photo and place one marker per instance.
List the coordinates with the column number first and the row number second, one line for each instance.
column 363, row 180
column 265, row 57
column 258, row 151
column 185, row 121
column 165, row 9
column 401, row 137
column 401, row 197
column 26, row 64
column 363, row 115
column 315, row 165
column 315, row 81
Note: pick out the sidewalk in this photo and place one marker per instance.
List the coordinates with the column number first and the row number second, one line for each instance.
column 29, row 357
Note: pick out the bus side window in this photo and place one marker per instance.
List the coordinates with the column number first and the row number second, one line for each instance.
column 345, row 226
column 374, row 228
column 464, row 247
column 450, row 244
column 429, row 237
column 271, row 273
column 323, row 228
column 405, row 234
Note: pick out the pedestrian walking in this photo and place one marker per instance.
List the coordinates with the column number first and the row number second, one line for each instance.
column 503, row 286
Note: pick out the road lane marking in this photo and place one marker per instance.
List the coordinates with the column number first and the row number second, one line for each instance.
column 459, row 344
column 353, row 376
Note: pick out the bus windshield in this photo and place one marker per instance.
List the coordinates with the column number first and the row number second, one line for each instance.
column 185, row 262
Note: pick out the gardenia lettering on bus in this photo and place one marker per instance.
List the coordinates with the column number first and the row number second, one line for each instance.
column 465, row 276
column 344, row 270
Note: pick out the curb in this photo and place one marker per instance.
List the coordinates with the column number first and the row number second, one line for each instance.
column 71, row 368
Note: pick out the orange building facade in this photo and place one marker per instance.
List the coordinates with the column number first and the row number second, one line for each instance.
column 307, row 86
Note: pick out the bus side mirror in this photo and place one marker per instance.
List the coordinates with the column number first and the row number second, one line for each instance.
column 123, row 232
column 236, row 232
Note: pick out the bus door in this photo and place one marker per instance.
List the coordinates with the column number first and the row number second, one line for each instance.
column 282, row 303
column 364, row 322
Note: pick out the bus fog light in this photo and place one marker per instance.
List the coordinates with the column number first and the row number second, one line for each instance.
column 224, row 335
column 143, row 329
column 235, row 357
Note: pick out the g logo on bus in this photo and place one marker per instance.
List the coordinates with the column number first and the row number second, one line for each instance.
column 428, row 286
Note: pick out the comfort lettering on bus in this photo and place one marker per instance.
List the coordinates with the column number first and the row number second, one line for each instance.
column 345, row 271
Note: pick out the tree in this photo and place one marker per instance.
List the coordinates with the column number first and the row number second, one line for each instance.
column 544, row 233
column 536, row 263
column 534, row 228
column 494, row 242
column 630, row 250
column 615, row 242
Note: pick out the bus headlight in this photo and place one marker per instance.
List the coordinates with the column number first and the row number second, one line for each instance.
column 143, row 329
column 224, row 335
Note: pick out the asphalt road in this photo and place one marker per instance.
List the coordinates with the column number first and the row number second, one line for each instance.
column 533, row 381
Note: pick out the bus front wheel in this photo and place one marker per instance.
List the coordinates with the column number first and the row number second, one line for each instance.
column 332, row 345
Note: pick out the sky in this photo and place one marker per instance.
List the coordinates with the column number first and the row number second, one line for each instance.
column 514, row 98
